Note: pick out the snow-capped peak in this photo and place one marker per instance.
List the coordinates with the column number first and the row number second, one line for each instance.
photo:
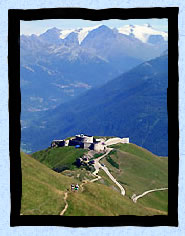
column 65, row 33
column 81, row 32
column 142, row 32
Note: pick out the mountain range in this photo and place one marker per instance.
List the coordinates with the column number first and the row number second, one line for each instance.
column 134, row 104
column 58, row 65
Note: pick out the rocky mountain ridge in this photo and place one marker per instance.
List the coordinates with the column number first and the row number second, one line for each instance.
column 61, row 64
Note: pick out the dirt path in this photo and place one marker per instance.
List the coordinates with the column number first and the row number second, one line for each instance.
column 135, row 198
column 82, row 189
column 89, row 181
column 93, row 180
column 66, row 206
column 81, row 185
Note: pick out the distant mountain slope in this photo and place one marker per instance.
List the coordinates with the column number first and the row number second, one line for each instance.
column 61, row 64
column 133, row 105
column 144, row 33
column 140, row 32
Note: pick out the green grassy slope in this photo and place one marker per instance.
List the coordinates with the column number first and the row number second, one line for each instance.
column 139, row 171
column 157, row 200
column 42, row 189
column 61, row 158
column 100, row 200
column 43, row 194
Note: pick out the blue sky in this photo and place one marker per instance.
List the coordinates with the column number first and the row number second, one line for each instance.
column 40, row 26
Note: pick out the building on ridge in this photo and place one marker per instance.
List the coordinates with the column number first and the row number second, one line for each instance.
column 88, row 142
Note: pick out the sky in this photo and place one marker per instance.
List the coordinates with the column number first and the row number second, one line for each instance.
column 40, row 26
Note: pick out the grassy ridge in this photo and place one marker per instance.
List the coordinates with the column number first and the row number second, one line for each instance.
column 139, row 171
column 42, row 189
column 61, row 158
column 135, row 150
column 43, row 192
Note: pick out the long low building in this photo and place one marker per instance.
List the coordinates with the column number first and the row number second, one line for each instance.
column 88, row 142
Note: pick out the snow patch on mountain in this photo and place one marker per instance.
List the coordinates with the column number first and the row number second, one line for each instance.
column 65, row 33
column 81, row 32
column 142, row 32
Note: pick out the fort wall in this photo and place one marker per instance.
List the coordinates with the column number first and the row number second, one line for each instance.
column 99, row 147
column 84, row 138
column 116, row 140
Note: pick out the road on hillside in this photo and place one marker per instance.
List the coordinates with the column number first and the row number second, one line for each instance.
column 114, row 180
column 97, row 166
column 135, row 198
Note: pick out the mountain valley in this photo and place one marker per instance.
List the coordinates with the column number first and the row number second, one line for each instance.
column 133, row 105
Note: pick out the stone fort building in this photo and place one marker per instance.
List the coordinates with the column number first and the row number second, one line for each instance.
column 88, row 142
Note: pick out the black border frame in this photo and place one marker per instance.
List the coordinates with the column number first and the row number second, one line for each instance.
column 14, row 17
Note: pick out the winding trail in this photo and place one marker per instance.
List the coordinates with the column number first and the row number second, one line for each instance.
column 89, row 181
column 135, row 198
column 82, row 189
column 114, row 180
column 66, row 206
column 97, row 166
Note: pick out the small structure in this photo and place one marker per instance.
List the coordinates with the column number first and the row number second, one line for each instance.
column 58, row 143
column 84, row 160
column 66, row 142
